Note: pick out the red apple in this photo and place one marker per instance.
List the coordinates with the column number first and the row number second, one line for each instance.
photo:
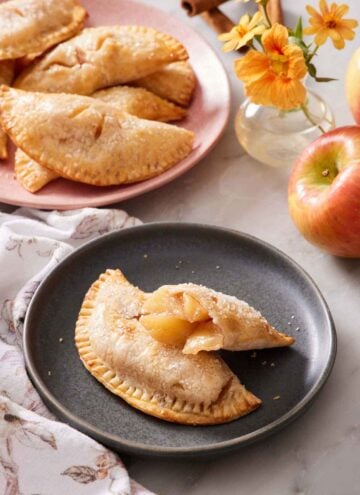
column 324, row 192
column 352, row 86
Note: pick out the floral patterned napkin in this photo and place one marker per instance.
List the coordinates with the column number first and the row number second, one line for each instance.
column 39, row 455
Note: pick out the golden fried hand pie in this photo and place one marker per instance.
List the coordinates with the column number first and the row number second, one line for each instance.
column 30, row 27
column 100, row 57
column 155, row 378
column 89, row 141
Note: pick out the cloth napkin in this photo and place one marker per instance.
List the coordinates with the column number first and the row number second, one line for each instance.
column 38, row 454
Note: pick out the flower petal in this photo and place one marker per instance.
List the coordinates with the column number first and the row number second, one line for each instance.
column 244, row 20
column 334, row 34
column 313, row 12
column 324, row 8
column 284, row 94
column 321, row 36
column 297, row 67
column 260, row 91
column 339, row 43
column 275, row 38
column 337, row 39
column 340, row 10
column 349, row 23
column 256, row 19
column 251, row 66
column 230, row 45
column 346, row 33
column 310, row 30
column 225, row 36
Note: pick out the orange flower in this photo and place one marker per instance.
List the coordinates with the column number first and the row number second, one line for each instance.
column 329, row 22
column 273, row 77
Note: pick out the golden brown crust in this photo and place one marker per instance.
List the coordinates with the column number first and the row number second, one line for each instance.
column 175, row 82
column 85, row 63
column 6, row 77
column 33, row 26
column 30, row 174
column 107, row 147
column 3, row 145
column 136, row 101
column 230, row 399
column 141, row 103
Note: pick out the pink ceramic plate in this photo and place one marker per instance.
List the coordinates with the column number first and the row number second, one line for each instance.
column 207, row 115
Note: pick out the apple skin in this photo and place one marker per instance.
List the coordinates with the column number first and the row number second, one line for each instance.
column 352, row 85
column 324, row 192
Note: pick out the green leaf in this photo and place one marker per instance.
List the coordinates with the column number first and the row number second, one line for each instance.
column 325, row 79
column 298, row 42
column 298, row 33
column 312, row 70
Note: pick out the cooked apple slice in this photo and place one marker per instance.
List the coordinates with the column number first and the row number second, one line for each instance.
column 167, row 329
column 206, row 337
column 209, row 320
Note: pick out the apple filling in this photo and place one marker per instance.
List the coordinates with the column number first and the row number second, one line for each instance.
column 180, row 321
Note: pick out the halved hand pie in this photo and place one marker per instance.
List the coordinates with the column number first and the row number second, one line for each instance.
column 101, row 57
column 6, row 77
column 156, row 378
column 175, row 82
column 196, row 319
column 89, row 141
column 32, row 26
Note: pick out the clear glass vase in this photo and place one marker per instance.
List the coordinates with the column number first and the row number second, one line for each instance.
column 276, row 137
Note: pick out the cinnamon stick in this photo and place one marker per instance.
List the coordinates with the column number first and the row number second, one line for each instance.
column 218, row 21
column 275, row 12
column 195, row 7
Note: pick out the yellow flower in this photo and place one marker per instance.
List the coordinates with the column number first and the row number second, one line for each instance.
column 273, row 77
column 243, row 32
column 329, row 22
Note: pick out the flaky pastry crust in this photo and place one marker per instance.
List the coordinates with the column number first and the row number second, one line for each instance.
column 30, row 27
column 156, row 379
column 86, row 140
column 175, row 82
column 100, row 57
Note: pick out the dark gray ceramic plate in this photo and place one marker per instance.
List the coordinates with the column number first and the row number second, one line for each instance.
column 225, row 260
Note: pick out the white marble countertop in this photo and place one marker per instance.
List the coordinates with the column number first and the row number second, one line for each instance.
column 319, row 453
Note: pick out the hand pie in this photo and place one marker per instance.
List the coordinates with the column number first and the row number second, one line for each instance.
column 136, row 101
column 33, row 26
column 6, row 77
column 175, row 82
column 89, row 141
column 155, row 378
column 101, row 57
column 30, row 174
column 141, row 103
column 196, row 319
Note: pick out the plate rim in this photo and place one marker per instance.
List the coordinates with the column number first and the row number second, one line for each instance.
column 154, row 182
column 185, row 452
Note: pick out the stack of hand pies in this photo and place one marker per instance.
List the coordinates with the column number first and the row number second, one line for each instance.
column 89, row 105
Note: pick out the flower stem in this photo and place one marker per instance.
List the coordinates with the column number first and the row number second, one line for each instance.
column 310, row 119
column 313, row 54
column 266, row 15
